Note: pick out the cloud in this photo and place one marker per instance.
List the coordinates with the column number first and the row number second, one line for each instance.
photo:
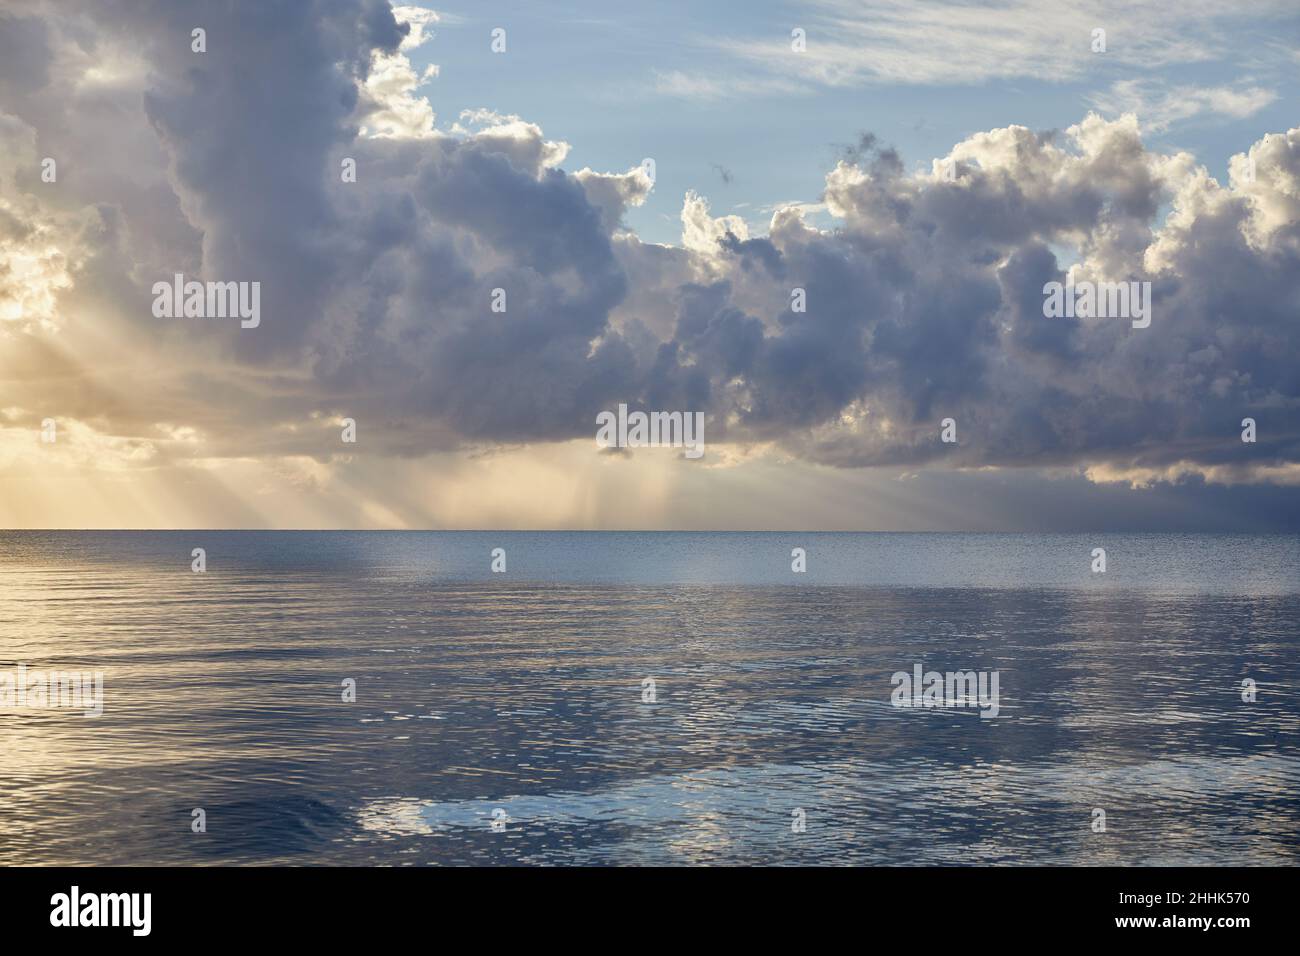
column 1160, row 108
column 707, row 88
column 419, row 22
column 953, row 43
column 614, row 193
column 700, row 231
column 393, row 106
column 924, row 292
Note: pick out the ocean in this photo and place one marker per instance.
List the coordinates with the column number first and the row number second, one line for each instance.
column 651, row 698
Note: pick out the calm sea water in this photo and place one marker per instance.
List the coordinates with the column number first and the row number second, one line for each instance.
column 522, row 692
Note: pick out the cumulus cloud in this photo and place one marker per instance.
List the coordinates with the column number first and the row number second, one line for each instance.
column 924, row 298
column 701, row 232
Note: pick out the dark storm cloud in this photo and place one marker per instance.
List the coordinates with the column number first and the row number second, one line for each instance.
column 251, row 126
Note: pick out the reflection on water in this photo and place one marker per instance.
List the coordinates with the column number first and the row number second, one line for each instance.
column 522, row 693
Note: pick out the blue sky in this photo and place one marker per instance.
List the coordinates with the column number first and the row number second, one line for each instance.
column 598, row 76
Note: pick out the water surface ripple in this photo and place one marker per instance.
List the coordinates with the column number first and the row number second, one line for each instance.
column 522, row 692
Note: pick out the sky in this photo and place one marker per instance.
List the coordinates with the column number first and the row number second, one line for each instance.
column 826, row 228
